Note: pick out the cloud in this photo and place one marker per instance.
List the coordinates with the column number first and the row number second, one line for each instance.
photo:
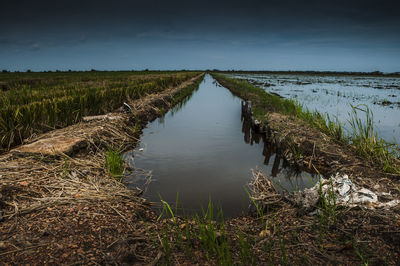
column 35, row 47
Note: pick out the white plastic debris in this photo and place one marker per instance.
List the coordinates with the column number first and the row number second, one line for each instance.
column 127, row 108
column 141, row 149
column 73, row 173
column 346, row 193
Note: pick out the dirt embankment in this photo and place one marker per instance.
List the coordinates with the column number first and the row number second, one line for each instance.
column 58, row 204
column 313, row 150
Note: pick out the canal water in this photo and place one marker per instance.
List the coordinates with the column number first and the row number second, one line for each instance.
column 203, row 150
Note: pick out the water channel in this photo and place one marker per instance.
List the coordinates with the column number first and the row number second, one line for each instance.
column 204, row 150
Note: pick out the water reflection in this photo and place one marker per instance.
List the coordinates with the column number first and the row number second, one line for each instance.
column 179, row 105
column 269, row 151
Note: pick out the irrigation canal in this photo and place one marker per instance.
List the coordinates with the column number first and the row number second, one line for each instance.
column 203, row 149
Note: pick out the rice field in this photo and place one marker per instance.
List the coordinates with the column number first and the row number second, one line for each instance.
column 335, row 95
column 32, row 103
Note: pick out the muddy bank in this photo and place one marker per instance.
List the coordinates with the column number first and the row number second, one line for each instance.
column 58, row 203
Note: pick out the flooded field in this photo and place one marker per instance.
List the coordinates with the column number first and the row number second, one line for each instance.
column 335, row 95
column 203, row 150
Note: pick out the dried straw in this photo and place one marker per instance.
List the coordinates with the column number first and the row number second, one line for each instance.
column 262, row 190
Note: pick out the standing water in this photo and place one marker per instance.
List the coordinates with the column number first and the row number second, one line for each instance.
column 204, row 151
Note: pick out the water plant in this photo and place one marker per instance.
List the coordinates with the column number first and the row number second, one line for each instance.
column 367, row 142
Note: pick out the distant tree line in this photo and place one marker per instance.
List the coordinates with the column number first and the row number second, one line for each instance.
column 95, row 70
column 307, row 72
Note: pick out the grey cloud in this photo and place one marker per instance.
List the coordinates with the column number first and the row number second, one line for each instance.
column 35, row 47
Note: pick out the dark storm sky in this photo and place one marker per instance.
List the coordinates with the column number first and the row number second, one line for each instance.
column 360, row 35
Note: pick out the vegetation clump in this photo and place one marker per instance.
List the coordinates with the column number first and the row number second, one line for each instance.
column 114, row 163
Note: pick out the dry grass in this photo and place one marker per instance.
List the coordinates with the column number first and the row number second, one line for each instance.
column 262, row 190
column 41, row 185
column 45, row 181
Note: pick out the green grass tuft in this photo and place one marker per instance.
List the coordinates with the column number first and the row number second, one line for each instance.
column 114, row 163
